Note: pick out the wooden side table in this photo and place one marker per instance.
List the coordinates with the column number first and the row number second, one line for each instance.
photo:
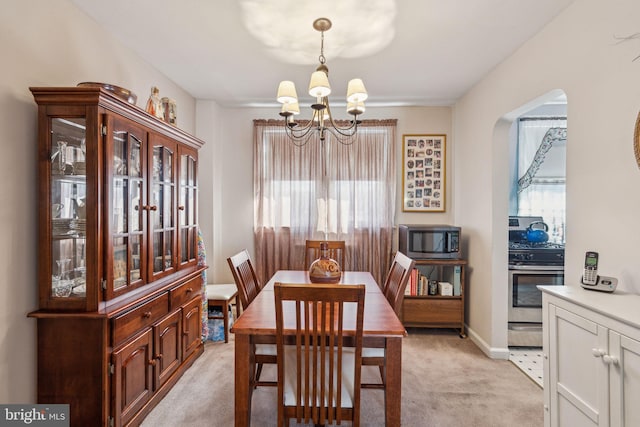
column 437, row 311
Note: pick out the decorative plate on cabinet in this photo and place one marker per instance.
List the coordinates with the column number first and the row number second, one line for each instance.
column 118, row 91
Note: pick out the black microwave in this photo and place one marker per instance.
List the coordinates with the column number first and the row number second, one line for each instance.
column 422, row 241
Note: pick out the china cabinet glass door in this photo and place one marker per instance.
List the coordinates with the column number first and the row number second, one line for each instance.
column 187, row 208
column 67, row 198
column 162, row 205
column 127, row 246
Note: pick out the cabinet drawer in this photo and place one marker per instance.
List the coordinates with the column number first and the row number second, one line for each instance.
column 140, row 317
column 432, row 311
column 185, row 292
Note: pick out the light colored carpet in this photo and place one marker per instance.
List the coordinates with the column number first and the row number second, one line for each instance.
column 446, row 382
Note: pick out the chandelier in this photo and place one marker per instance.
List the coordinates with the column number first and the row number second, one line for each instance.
column 322, row 120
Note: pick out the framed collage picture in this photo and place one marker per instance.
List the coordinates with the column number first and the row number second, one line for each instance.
column 423, row 173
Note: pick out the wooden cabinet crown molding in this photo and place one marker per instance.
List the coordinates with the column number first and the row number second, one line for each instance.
column 109, row 101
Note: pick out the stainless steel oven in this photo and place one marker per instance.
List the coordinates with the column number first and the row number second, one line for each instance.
column 530, row 265
column 525, row 299
column 525, row 302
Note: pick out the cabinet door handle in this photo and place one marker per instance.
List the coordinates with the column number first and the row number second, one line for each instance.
column 610, row 360
column 152, row 362
column 598, row 352
column 180, row 208
column 146, row 314
column 189, row 290
column 153, row 208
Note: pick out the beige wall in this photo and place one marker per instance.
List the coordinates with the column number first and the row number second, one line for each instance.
column 46, row 43
column 228, row 222
column 576, row 53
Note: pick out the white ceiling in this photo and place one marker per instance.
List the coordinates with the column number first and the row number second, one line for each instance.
column 436, row 50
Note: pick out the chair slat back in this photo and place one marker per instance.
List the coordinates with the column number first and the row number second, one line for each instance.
column 397, row 280
column 336, row 251
column 245, row 277
column 319, row 338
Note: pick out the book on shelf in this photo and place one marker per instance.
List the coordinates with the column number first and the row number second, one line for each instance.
column 457, row 288
column 413, row 281
column 424, row 285
column 418, row 284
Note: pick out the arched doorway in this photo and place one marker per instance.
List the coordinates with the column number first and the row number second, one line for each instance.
column 536, row 212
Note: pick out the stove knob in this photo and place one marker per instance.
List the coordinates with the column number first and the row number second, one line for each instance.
column 529, row 256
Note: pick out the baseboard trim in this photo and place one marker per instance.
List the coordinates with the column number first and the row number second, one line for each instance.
column 492, row 352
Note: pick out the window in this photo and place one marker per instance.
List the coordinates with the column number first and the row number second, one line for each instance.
column 324, row 191
column 542, row 171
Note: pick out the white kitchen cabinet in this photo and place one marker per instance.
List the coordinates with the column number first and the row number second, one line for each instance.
column 591, row 344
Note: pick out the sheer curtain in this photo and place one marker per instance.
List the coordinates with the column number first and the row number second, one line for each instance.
column 324, row 191
column 543, row 193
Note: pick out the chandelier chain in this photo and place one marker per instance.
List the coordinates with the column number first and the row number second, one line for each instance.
column 321, row 58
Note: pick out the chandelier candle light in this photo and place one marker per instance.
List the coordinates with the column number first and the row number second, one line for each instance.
column 319, row 88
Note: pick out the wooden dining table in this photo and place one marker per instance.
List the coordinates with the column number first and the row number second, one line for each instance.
column 258, row 323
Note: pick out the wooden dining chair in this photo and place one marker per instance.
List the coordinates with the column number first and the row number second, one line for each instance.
column 248, row 288
column 394, row 287
column 318, row 378
column 336, row 248
column 397, row 280
column 245, row 277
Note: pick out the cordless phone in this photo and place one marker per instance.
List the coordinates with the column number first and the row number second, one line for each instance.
column 590, row 278
column 590, row 274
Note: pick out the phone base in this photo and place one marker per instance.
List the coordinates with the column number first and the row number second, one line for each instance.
column 603, row 284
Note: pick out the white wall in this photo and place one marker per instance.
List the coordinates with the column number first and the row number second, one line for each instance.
column 46, row 43
column 577, row 53
column 231, row 215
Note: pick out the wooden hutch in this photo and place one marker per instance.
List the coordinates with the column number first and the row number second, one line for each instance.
column 120, row 289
